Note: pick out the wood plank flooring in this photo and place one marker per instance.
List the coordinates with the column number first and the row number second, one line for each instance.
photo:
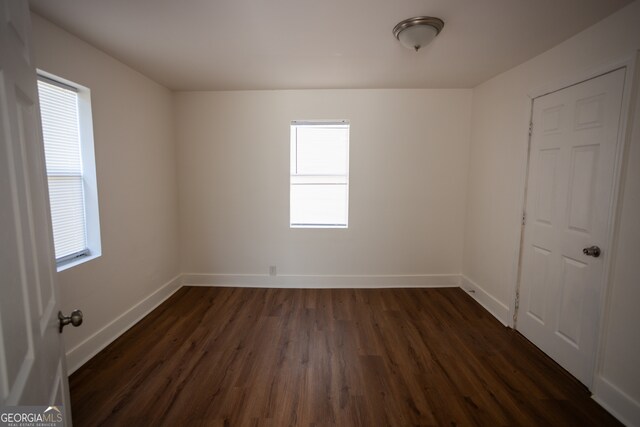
column 294, row 357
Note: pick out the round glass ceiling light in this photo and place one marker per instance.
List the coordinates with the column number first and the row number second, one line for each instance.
column 414, row 33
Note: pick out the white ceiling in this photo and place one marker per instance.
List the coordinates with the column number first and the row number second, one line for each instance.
column 304, row 44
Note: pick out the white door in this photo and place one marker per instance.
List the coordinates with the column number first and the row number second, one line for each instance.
column 570, row 186
column 32, row 368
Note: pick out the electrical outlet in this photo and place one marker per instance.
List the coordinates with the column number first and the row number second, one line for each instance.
column 273, row 270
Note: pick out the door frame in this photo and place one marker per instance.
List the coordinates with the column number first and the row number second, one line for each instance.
column 631, row 81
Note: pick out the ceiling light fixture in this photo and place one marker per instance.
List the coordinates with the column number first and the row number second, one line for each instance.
column 414, row 33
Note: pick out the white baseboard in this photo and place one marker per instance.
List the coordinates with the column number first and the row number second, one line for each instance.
column 617, row 402
column 322, row 281
column 499, row 310
column 614, row 400
column 88, row 348
column 80, row 354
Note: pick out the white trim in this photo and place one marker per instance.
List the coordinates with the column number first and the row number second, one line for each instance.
column 628, row 62
column 617, row 402
column 632, row 80
column 80, row 354
column 77, row 261
column 588, row 74
column 83, row 352
column 322, row 281
column 490, row 303
column 606, row 394
column 89, row 177
column 614, row 400
column 519, row 211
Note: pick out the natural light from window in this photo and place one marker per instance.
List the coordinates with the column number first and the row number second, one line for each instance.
column 70, row 170
column 319, row 174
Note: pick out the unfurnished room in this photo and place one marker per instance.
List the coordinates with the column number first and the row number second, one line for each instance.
column 305, row 213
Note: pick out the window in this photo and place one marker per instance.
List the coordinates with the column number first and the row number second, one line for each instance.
column 319, row 174
column 67, row 133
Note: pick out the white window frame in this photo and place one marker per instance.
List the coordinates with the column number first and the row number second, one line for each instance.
column 330, row 179
column 89, row 180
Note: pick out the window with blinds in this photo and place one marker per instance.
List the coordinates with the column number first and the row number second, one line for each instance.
column 319, row 184
column 63, row 152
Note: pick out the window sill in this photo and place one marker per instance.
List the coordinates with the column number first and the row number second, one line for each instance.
column 339, row 227
column 77, row 261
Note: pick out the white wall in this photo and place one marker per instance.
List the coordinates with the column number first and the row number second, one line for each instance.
column 411, row 170
column 498, row 148
column 408, row 168
column 137, row 190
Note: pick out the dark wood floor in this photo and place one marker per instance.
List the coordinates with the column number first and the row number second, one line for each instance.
column 285, row 357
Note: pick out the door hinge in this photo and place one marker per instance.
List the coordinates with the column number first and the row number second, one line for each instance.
column 524, row 218
column 530, row 128
column 516, row 307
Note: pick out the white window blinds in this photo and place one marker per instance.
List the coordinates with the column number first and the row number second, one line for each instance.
column 319, row 174
column 61, row 134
